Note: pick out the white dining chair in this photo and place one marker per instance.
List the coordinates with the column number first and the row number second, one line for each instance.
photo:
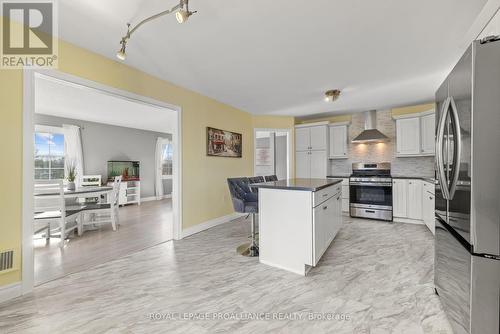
column 50, row 209
column 103, row 213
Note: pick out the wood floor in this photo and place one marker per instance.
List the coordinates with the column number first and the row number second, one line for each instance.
column 378, row 274
column 140, row 227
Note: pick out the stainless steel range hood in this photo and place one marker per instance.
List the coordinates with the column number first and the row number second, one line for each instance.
column 371, row 134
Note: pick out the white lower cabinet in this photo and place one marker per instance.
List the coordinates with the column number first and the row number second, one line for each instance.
column 399, row 198
column 413, row 201
column 428, row 201
column 318, row 164
column 302, row 164
column 327, row 220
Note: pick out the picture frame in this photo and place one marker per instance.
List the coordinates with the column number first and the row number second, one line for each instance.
column 223, row 143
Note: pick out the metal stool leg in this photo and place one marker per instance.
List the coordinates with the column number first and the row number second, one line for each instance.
column 250, row 249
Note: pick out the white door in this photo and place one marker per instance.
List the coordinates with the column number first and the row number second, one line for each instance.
column 338, row 141
column 318, row 164
column 399, row 198
column 408, row 136
column 428, row 126
column 302, row 139
column 415, row 199
column 319, row 137
column 303, row 164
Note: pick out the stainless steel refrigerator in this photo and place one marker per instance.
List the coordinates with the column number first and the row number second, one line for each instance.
column 467, row 248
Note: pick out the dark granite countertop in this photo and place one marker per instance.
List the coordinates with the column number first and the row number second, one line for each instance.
column 338, row 176
column 297, row 184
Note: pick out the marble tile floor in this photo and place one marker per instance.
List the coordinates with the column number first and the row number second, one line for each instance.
column 378, row 275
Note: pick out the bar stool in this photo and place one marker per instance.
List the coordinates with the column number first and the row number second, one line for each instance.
column 245, row 201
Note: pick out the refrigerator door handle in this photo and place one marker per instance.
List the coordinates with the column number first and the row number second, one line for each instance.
column 443, row 183
column 457, row 143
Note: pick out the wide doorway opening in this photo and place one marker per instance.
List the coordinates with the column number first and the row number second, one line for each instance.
column 104, row 177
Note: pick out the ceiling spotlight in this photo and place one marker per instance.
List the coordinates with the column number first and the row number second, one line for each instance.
column 182, row 15
column 121, row 53
column 332, row 95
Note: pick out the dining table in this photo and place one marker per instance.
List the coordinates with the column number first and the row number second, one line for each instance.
column 87, row 191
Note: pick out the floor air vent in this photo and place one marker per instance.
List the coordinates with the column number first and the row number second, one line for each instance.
column 6, row 260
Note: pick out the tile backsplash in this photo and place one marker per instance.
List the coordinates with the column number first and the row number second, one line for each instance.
column 380, row 152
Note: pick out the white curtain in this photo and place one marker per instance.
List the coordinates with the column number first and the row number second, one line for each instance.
column 159, row 161
column 73, row 152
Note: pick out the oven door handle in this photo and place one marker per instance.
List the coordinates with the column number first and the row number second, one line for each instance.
column 366, row 184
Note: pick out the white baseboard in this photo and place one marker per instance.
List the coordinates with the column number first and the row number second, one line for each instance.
column 408, row 221
column 211, row 223
column 10, row 291
column 153, row 198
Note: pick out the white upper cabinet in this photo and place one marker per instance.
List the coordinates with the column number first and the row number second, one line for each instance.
column 311, row 146
column 427, row 131
column 302, row 139
column 319, row 137
column 338, row 142
column 311, row 138
column 415, row 135
column 408, row 136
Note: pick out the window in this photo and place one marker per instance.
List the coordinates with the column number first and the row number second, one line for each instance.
column 166, row 158
column 49, row 153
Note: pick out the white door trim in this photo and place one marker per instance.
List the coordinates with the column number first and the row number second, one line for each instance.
column 288, row 147
column 28, row 159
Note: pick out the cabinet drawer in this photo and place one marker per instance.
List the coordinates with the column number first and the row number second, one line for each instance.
column 322, row 195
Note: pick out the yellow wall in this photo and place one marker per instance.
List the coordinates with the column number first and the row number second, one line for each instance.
column 412, row 109
column 11, row 141
column 205, row 194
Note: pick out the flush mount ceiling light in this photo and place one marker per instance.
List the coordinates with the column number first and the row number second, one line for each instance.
column 182, row 14
column 332, row 95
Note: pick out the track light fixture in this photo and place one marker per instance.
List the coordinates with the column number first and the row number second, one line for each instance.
column 182, row 14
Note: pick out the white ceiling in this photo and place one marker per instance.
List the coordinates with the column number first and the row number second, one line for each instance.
column 278, row 57
column 55, row 98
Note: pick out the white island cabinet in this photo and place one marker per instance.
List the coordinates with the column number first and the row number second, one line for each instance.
column 298, row 220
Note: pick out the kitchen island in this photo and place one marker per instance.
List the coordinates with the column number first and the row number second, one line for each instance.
column 298, row 219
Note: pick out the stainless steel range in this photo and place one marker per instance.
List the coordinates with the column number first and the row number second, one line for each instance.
column 370, row 188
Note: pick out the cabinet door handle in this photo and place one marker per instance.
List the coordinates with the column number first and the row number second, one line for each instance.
column 431, row 198
column 369, row 211
column 324, row 195
column 325, row 207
